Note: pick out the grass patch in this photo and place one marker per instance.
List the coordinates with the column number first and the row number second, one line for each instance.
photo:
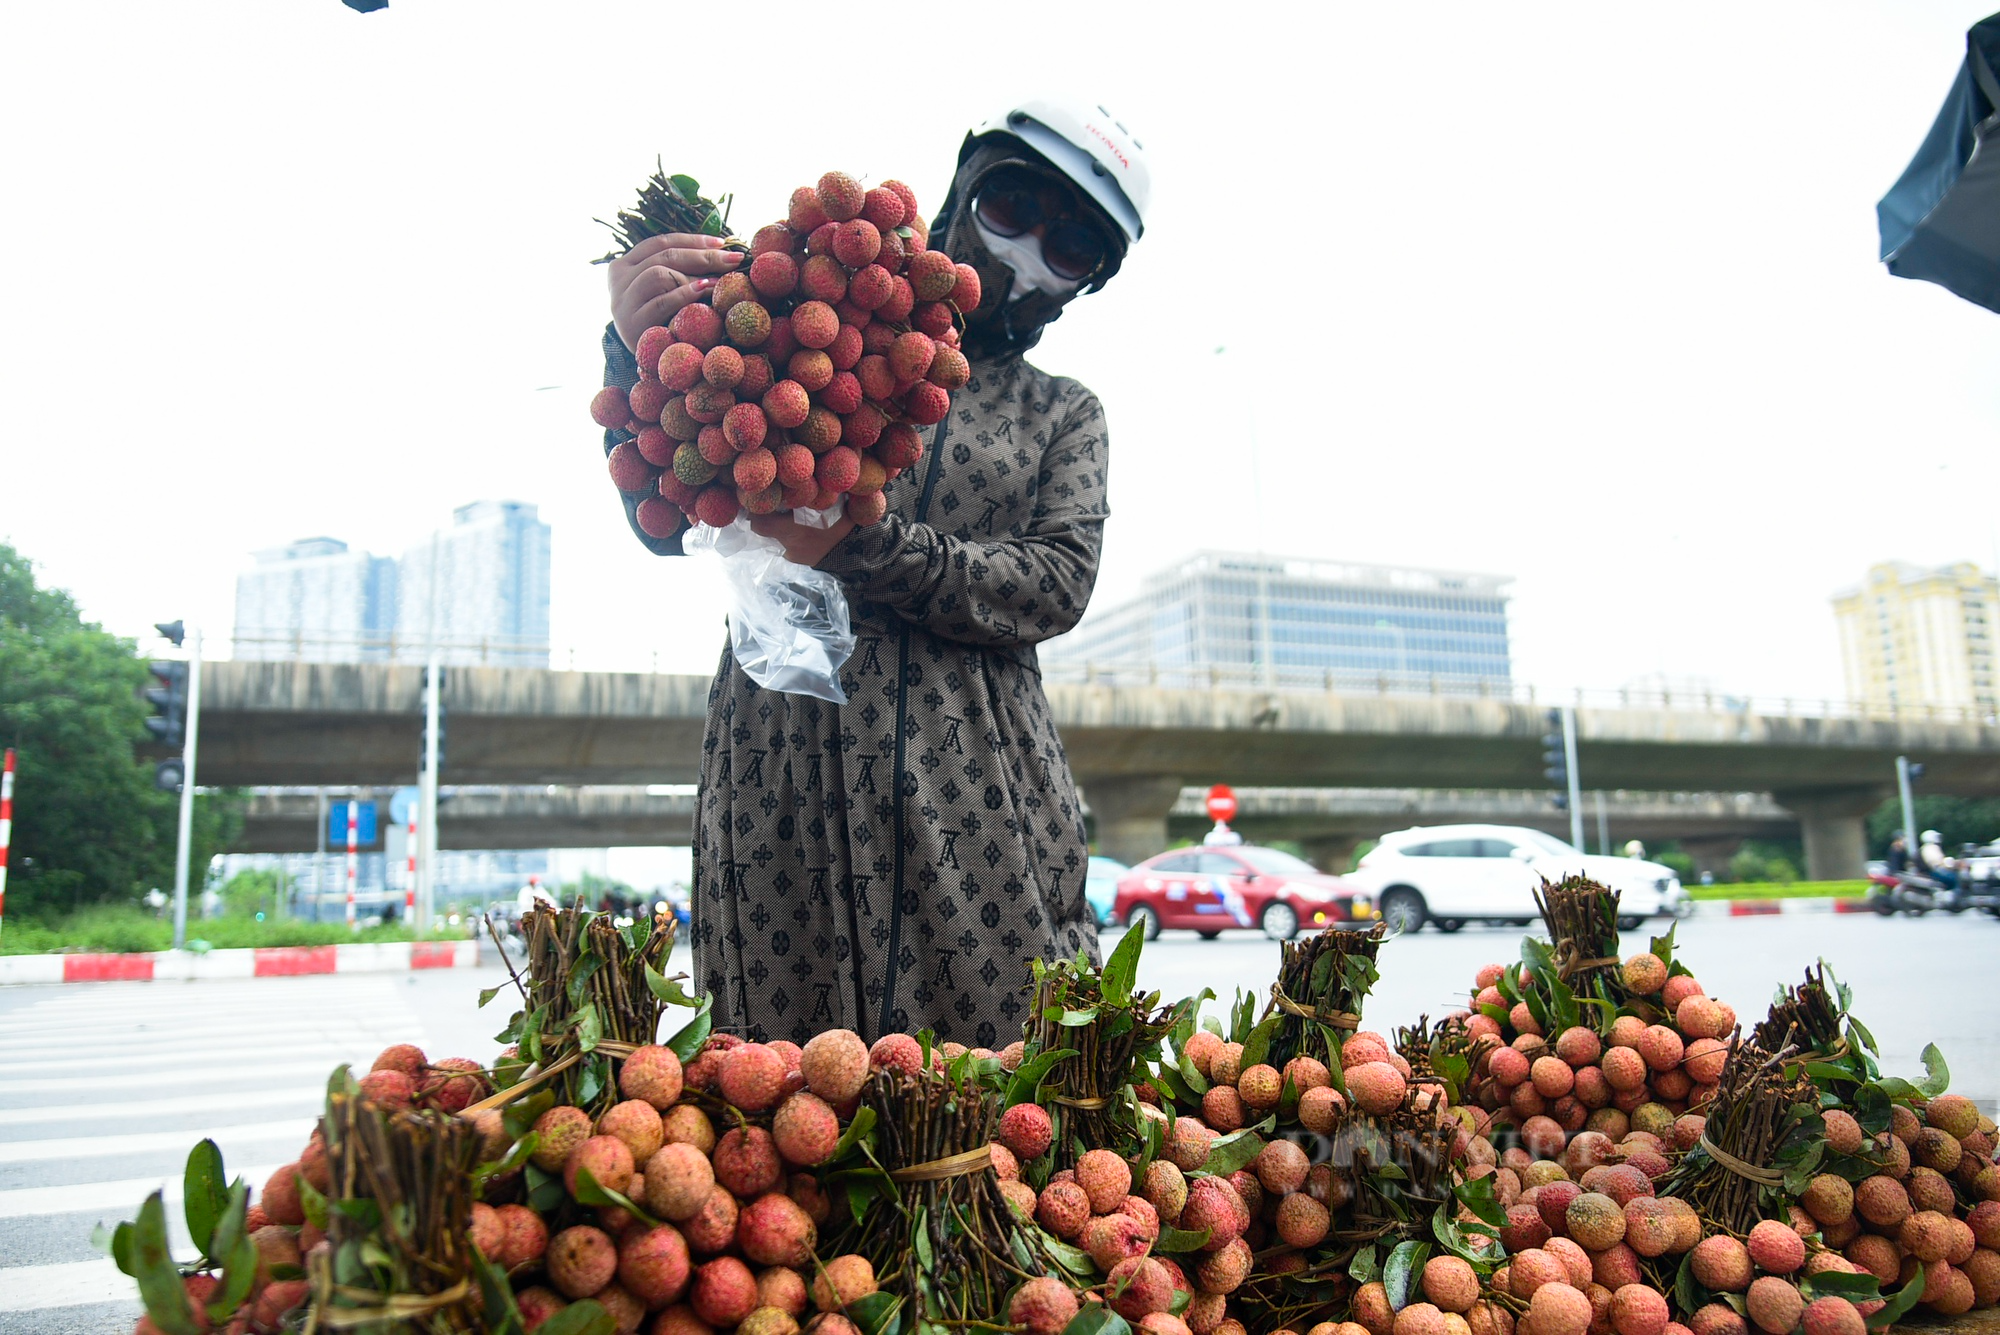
column 1785, row 890
column 122, row 929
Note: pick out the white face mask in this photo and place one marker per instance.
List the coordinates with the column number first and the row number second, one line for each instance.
column 1023, row 255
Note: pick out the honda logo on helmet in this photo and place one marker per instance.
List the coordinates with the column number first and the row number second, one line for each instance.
column 1109, row 143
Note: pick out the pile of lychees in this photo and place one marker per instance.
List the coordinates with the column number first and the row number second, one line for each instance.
column 804, row 375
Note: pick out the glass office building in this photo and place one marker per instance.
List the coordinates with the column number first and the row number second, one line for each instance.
column 478, row 590
column 316, row 599
column 1244, row 619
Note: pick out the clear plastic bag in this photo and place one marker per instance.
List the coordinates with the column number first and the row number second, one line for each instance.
column 789, row 628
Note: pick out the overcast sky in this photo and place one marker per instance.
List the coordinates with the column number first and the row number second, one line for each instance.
column 1581, row 293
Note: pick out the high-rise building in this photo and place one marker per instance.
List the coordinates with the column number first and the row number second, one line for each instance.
column 316, row 599
column 1912, row 636
column 478, row 590
column 1287, row 622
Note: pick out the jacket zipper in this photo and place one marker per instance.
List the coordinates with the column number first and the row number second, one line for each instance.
column 902, row 720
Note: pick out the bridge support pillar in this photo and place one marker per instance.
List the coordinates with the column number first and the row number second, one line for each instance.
column 1834, row 829
column 1331, row 853
column 1129, row 814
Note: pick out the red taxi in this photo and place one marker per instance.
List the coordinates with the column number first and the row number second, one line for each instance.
column 1234, row 887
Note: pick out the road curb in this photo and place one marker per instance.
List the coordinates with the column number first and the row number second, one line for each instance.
column 263, row 962
column 1765, row 908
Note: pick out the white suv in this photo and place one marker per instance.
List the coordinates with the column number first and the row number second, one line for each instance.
column 1455, row 874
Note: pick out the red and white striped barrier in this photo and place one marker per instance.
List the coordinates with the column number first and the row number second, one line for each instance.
column 267, row 962
column 6, row 824
column 1764, row 908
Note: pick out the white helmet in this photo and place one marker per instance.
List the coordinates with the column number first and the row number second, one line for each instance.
column 1932, row 837
column 1090, row 147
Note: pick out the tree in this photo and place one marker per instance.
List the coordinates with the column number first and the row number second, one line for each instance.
column 88, row 823
column 1960, row 820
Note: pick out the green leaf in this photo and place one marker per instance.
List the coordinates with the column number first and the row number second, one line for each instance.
column 1258, row 1046
column 589, row 1028
column 1178, row 1240
column 687, row 1042
column 206, row 1193
column 545, row 1189
column 876, row 1314
column 689, row 188
column 1029, row 1075
column 1858, row 1030
column 1191, row 1076
column 1900, row 1302
column 1689, row 1291
column 1097, row 1319
column 862, row 1123
column 712, row 225
column 1364, row 1268
column 239, row 1272
column 1070, row 1257
column 1400, row 1271
column 153, row 1266
column 516, row 1155
column 1857, row 1288
column 584, row 1317
column 1121, row 970
column 1235, row 1150
column 498, row 1309
column 669, row 990
column 487, row 994
column 595, row 1079
column 1477, row 1196
column 592, row 1192
column 1077, row 1019
column 1937, row 1076
column 115, row 1243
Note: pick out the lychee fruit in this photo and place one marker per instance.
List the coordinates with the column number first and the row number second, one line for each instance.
column 1110, row 1238
column 1105, row 1178
column 785, row 1289
column 581, row 1260
column 1376, row 1087
column 1559, row 1309
column 1774, row 1305
column 562, row 1128
column 524, row 1236
column 1302, row 1221
column 712, row 1228
column 1637, row 1309
column 724, row 1292
column 1026, row 1129
column 678, row 1179
column 393, row 1089
column 1139, row 1285
column 1721, row 1263
column 1832, row 1315
column 1215, row 1207
column 774, row 1230
column 653, row 1265
column 746, row 1162
column 1829, row 1199
column 1044, row 1305
column 1063, row 1208
column 1776, row 1247
column 842, row 1280
column 608, row 1159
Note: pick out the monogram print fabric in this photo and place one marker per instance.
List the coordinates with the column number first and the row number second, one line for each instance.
column 894, row 863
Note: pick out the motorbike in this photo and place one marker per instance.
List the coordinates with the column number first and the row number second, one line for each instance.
column 1893, row 892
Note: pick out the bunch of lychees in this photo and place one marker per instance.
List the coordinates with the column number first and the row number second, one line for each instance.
column 803, row 376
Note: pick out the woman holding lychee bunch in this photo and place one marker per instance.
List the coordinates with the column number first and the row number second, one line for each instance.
column 892, row 864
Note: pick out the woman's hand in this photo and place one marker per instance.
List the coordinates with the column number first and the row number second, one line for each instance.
column 806, row 546
column 662, row 274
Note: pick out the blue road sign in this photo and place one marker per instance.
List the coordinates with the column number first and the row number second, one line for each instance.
column 336, row 824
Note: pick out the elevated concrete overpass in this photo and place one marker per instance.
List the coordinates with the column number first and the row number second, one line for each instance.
column 1328, row 822
column 1132, row 747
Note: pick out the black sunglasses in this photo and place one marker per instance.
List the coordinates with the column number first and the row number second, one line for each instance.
column 1014, row 202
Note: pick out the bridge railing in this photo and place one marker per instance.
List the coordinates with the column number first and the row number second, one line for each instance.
column 503, row 651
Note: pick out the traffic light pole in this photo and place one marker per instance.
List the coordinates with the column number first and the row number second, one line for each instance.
column 1910, row 841
column 1575, row 783
column 185, row 845
column 427, row 802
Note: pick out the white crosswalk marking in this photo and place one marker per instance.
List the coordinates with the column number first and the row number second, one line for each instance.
column 104, row 1089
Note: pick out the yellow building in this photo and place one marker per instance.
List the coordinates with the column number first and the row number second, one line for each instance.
column 1912, row 637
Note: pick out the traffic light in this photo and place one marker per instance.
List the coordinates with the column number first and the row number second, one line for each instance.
column 173, row 631
column 424, row 751
column 1555, row 760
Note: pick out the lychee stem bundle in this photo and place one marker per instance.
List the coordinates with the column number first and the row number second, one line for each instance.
column 1582, row 918
column 1090, row 1099
column 1752, row 1112
column 587, row 985
column 397, row 1219
column 1329, row 974
column 952, row 1248
column 667, row 205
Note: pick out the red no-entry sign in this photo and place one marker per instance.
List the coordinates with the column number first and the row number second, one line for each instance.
column 1222, row 803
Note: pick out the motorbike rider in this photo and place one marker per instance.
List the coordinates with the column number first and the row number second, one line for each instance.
column 1898, row 860
column 1937, row 864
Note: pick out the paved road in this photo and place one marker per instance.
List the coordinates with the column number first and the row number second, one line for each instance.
column 103, row 1088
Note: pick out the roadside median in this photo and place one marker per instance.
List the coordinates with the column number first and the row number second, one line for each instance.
column 258, row 962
